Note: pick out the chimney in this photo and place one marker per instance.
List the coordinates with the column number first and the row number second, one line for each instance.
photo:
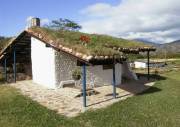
column 35, row 22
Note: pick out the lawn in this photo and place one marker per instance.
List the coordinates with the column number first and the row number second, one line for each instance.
column 159, row 106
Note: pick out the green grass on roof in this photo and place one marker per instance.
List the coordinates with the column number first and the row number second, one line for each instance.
column 4, row 42
column 97, row 43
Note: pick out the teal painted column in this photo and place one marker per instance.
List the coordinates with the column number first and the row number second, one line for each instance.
column 114, row 82
column 14, row 66
column 84, row 84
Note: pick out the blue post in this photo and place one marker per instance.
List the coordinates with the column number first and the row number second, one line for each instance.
column 84, row 84
column 14, row 67
column 114, row 82
column 5, row 69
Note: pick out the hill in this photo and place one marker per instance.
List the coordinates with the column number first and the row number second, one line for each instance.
column 147, row 42
column 169, row 50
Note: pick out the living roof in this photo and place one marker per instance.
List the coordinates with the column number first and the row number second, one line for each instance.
column 88, row 48
column 4, row 43
column 100, row 45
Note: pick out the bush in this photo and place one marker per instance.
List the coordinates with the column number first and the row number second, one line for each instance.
column 76, row 74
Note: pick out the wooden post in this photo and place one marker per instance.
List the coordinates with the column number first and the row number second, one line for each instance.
column 148, row 65
column 5, row 69
column 84, row 84
column 14, row 66
column 114, row 82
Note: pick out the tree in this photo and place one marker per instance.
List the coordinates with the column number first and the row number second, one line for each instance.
column 64, row 24
column 2, row 38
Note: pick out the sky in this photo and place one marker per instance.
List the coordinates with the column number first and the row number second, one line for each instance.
column 153, row 20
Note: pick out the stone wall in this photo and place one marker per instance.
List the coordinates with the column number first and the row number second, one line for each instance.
column 65, row 64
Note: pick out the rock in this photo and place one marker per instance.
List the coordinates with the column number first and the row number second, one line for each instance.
column 40, row 36
column 84, row 57
column 106, row 57
column 89, row 58
column 51, row 41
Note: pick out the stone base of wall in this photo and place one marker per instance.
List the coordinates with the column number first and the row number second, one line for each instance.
column 19, row 77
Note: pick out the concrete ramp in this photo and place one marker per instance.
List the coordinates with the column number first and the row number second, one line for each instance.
column 127, row 72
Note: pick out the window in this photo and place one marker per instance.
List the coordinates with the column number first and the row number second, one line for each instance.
column 47, row 45
column 110, row 66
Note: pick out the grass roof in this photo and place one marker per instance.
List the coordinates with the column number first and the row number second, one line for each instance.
column 96, row 44
column 4, row 43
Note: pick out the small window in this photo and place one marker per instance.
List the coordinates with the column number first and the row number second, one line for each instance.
column 110, row 66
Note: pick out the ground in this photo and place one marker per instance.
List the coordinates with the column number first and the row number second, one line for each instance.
column 68, row 100
column 158, row 106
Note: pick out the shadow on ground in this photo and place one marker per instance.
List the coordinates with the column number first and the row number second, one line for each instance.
column 153, row 77
column 133, row 87
column 151, row 90
column 140, row 87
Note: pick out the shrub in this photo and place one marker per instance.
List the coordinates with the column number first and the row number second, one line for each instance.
column 76, row 74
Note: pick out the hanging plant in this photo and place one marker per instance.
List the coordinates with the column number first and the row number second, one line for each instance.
column 76, row 74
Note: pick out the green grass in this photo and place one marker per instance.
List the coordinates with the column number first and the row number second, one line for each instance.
column 157, row 107
column 96, row 46
column 4, row 42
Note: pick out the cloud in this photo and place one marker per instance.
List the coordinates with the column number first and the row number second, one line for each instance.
column 29, row 18
column 45, row 21
column 156, row 21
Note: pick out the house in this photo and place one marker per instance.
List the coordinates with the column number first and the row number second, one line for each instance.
column 49, row 57
column 144, row 64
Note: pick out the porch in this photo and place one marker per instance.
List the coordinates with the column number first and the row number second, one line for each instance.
column 66, row 101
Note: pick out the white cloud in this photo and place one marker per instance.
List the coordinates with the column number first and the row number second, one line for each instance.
column 97, row 9
column 155, row 20
column 29, row 18
column 45, row 21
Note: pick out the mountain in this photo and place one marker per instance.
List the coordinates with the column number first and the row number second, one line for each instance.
column 171, row 49
column 147, row 42
column 171, row 46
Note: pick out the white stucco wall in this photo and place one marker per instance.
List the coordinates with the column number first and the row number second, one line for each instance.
column 103, row 77
column 65, row 64
column 140, row 64
column 43, row 63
